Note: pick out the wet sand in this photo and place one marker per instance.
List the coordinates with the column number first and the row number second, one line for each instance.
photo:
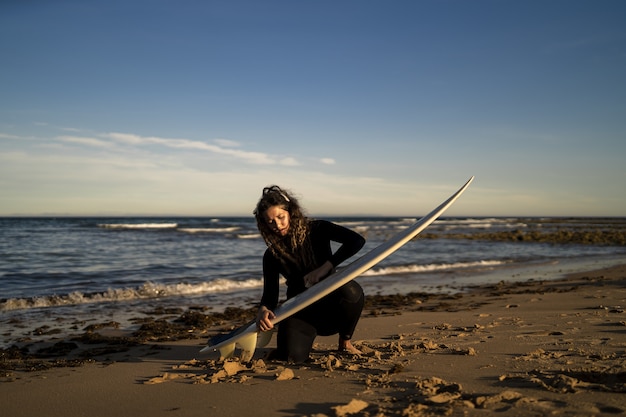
column 554, row 347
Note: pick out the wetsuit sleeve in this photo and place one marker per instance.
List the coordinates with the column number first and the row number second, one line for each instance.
column 271, row 273
column 351, row 242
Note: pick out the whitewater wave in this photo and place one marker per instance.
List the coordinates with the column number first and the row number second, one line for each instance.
column 249, row 236
column 405, row 269
column 208, row 229
column 146, row 291
column 138, row 225
column 151, row 290
column 480, row 223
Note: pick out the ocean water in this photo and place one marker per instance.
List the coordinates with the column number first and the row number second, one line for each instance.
column 115, row 267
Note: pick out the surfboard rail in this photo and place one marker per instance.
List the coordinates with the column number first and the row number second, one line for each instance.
column 246, row 336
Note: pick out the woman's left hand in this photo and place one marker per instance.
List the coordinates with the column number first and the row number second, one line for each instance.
column 318, row 274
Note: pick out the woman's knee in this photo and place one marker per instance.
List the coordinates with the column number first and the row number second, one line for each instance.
column 296, row 339
column 351, row 292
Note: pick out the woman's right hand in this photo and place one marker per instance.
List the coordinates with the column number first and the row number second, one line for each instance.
column 264, row 319
column 318, row 274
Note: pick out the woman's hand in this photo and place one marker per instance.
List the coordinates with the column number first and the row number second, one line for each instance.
column 318, row 274
column 263, row 319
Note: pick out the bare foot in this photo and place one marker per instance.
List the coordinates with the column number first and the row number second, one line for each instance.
column 347, row 346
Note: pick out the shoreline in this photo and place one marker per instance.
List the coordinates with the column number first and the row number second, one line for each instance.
column 142, row 320
column 546, row 346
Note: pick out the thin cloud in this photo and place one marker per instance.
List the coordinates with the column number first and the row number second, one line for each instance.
column 328, row 161
column 226, row 143
column 127, row 138
column 219, row 146
column 290, row 162
column 85, row 141
column 259, row 158
column 7, row 136
column 70, row 129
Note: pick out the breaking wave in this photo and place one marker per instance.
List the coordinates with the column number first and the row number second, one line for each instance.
column 405, row 269
column 146, row 291
column 151, row 290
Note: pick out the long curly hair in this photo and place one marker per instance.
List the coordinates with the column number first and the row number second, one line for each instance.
column 296, row 245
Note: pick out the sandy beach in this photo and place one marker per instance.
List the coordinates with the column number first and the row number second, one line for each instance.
column 554, row 347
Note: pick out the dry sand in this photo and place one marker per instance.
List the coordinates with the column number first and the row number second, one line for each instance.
column 533, row 349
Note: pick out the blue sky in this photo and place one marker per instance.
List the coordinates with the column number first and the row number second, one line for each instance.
column 359, row 107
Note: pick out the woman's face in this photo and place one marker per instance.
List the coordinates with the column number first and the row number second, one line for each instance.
column 277, row 219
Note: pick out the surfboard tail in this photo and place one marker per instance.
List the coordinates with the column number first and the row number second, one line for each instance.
column 247, row 344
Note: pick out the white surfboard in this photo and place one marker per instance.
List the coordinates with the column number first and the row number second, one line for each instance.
column 248, row 336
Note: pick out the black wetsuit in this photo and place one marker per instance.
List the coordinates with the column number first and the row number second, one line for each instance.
column 338, row 312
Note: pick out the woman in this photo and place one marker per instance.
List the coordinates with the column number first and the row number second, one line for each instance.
column 299, row 249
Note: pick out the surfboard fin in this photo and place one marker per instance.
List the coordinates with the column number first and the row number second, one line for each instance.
column 227, row 351
column 248, row 346
column 264, row 338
